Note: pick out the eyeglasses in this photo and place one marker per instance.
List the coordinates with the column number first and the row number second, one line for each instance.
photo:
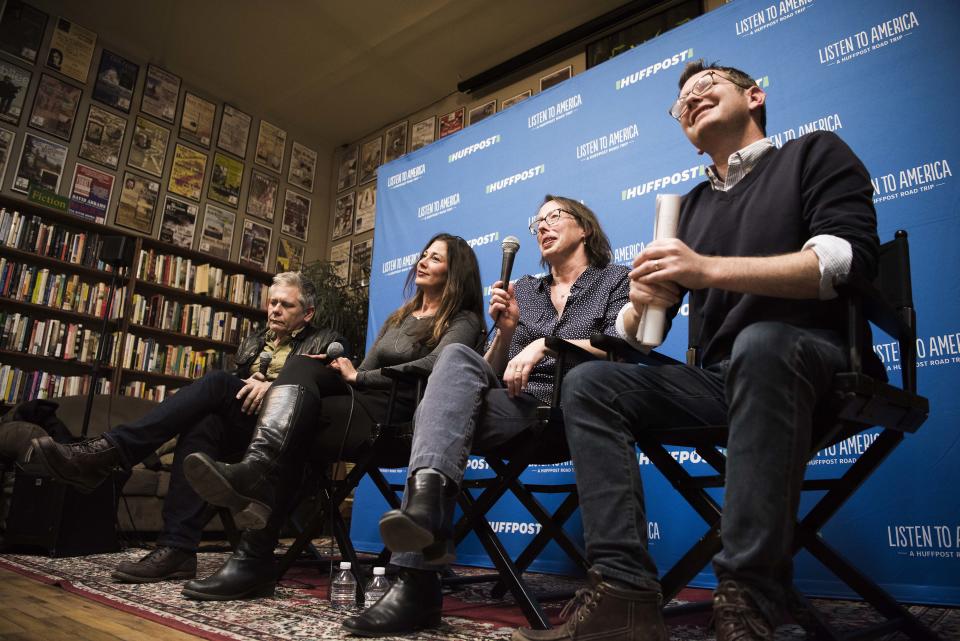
column 702, row 84
column 551, row 218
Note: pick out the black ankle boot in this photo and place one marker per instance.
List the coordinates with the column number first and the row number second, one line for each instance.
column 422, row 523
column 412, row 603
column 250, row 572
column 85, row 465
column 246, row 488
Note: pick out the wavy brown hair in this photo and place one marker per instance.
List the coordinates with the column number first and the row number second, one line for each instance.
column 597, row 244
column 462, row 291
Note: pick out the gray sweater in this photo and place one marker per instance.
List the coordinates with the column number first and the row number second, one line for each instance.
column 397, row 345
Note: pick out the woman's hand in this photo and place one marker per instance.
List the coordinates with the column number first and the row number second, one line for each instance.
column 347, row 371
column 503, row 308
column 518, row 369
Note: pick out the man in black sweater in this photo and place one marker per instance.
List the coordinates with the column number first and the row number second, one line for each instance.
column 758, row 247
column 215, row 414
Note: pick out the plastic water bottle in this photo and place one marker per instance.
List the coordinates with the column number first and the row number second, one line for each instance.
column 376, row 588
column 343, row 589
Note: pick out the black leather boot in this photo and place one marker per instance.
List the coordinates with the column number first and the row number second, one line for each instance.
column 423, row 524
column 246, row 488
column 85, row 465
column 250, row 572
column 412, row 603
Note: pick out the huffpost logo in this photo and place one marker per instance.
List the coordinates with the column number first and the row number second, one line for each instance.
column 655, row 68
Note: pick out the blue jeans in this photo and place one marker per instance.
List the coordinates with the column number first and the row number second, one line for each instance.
column 205, row 417
column 766, row 393
column 464, row 409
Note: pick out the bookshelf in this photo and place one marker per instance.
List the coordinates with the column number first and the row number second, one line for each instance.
column 175, row 315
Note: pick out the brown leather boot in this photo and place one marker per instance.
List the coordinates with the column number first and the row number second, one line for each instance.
column 604, row 612
column 85, row 464
column 736, row 617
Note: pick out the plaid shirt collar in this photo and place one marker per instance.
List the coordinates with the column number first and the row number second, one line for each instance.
column 739, row 165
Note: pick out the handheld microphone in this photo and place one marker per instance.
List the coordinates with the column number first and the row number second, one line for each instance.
column 265, row 358
column 334, row 351
column 510, row 247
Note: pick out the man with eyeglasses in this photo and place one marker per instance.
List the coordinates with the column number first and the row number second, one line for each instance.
column 758, row 247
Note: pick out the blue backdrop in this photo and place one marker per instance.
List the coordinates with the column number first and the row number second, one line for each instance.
column 883, row 76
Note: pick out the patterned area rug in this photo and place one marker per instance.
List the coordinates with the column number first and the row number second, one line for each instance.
column 300, row 609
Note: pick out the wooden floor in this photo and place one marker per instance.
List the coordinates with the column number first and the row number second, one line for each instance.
column 32, row 611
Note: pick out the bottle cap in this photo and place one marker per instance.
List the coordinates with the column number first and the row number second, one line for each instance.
column 344, row 565
column 379, row 571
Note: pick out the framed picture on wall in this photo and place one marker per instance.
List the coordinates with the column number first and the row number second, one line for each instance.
column 262, row 194
column 216, row 238
column 55, row 107
column 196, row 122
column 161, row 91
column 366, row 209
column 296, row 215
column 179, row 222
column 90, row 193
column 21, row 30
column 347, row 172
column 226, row 177
column 556, row 77
column 138, row 203
column 271, row 144
column 340, row 257
column 303, row 166
column 512, row 100
column 360, row 257
column 234, row 131
column 41, row 164
column 289, row 255
column 14, row 83
column 485, row 110
column 255, row 245
column 395, row 142
column 423, row 133
column 371, row 157
column 343, row 216
column 116, row 80
column 187, row 171
column 103, row 137
column 148, row 146
column 6, row 150
column 451, row 123
column 71, row 50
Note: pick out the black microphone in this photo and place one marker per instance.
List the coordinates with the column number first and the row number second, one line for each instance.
column 510, row 246
column 334, row 351
column 265, row 358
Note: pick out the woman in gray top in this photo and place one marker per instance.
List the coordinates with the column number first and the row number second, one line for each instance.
column 332, row 406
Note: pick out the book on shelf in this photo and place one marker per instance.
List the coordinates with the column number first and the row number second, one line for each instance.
column 140, row 389
column 29, row 233
column 151, row 356
column 18, row 385
column 41, row 286
column 204, row 279
column 51, row 337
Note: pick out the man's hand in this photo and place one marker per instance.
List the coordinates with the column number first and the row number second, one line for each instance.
column 670, row 262
column 252, row 393
column 518, row 369
column 503, row 308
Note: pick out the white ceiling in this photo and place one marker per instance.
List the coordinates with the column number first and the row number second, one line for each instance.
column 332, row 71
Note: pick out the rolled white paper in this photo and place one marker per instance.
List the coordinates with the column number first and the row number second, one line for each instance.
column 654, row 318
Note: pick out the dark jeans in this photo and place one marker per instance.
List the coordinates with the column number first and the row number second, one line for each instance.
column 766, row 393
column 205, row 417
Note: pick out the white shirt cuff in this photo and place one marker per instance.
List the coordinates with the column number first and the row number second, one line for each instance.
column 622, row 330
column 835, row 257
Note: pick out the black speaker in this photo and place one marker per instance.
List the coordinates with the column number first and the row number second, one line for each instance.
column 55, row 517
column 117, row 251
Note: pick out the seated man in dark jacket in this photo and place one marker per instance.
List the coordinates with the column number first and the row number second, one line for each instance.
column 215, row 415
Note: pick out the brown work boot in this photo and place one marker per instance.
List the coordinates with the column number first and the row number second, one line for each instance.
column 85, row 465
column 736, row 616
column 605, row 612
column 163, row 564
